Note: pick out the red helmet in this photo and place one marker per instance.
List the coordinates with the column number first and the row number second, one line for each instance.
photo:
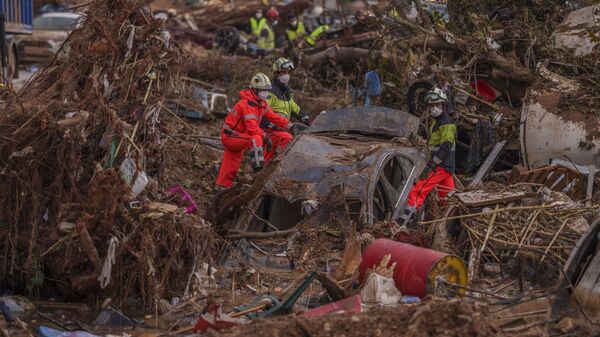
column 272, row 13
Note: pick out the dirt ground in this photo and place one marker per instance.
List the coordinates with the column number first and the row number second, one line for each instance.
column 433, row 318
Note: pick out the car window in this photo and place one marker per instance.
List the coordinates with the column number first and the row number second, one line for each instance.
column 390, row 186
column 55, row 23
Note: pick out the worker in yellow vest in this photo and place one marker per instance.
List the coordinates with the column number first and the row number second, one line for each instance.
column 257, row 22
column 295, row 31
column 312, row 38
column 266, row 38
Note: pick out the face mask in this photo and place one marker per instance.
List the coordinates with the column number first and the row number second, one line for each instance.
column 294, row 24
column 258, row 15
column 436, row 111
column 285, row 78
column 263, row 94
column 275, row 22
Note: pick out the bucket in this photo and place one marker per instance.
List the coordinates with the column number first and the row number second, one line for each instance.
column 416, row 268
column 484, row 90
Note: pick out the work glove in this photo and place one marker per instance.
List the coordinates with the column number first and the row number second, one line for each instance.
column 297, row 128
column 306, row 120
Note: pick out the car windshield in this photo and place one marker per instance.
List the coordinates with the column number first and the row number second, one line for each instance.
column 55, row 23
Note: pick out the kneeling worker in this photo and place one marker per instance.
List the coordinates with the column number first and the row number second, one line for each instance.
column 242, row 132
column 281, row 99
column 442, row 146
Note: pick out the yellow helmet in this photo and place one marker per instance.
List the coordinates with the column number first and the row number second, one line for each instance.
column 260, row 81
column 282, row 64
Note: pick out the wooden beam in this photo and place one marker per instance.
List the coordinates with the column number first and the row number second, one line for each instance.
column 487, row 165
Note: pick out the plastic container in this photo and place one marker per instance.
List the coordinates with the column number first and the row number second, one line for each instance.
column 484, row 90
column 139, row 185
column 416, row 268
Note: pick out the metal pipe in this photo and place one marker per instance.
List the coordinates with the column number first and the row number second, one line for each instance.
column 3, row 50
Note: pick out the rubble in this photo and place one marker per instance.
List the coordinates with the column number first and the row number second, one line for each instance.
column 110, row 152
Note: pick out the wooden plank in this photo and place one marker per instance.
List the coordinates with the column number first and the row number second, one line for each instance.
column 590, row 185
column 516, row 174
column 480, row 198
column 543, row 178
column 562, row 184
column 162, row 207
column 488, row 164
column 552, row 180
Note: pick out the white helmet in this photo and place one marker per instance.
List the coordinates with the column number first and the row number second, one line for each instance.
column 436, row 95
column 316, row 11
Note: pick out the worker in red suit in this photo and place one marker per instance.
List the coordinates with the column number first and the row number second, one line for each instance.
column 441, row 143
column 241, row 131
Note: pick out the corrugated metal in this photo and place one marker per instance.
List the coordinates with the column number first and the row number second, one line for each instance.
column 18, row 15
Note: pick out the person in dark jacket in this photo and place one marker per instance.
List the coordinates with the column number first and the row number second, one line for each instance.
column 442, row 146
column 280, row 98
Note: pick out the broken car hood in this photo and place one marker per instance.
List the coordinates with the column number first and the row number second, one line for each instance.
column 325, row 157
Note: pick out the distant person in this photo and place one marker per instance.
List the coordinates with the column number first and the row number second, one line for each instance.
column 295, row 31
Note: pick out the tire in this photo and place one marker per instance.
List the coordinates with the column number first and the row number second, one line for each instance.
column 414, row 97
column 228, row 39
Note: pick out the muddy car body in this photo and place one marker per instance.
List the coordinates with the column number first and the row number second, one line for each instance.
column 361, row 155
column 50, row 31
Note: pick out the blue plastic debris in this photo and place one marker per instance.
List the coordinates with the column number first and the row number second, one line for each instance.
column 45, row 331
column 410, row 300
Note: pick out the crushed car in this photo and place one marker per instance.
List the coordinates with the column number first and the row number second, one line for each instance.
column 373, row 164
column 50, row 30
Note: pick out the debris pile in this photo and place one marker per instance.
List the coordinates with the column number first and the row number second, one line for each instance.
column 433, row 318
column 79, row 144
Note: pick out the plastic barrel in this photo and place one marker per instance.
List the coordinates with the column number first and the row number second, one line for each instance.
column 416, row 268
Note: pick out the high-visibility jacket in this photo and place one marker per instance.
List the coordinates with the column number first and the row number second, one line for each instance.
column 256, row 25
column 248, row 112
column 266, row 40
column 442, row 142
column 281, row 101
column 295, row 34
column 312, row 38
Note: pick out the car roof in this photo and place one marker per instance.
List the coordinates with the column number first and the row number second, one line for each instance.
column 62, row 15
column 373, row 120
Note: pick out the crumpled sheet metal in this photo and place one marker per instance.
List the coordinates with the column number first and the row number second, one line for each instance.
column 313, row 165
column 372, row 120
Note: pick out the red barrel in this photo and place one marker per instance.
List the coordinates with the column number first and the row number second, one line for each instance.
column 416, row 268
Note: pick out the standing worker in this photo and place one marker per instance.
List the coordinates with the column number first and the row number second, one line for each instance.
column 442, row 145
column 295, row 31
column 241, row 131
column 280, row 98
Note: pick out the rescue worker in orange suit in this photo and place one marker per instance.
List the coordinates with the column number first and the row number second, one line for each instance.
column 442, row 145
column 241, row 131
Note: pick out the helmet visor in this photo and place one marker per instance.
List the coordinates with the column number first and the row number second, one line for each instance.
column 432, row 97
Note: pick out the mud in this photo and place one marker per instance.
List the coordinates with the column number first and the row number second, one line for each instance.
column 434, row 318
